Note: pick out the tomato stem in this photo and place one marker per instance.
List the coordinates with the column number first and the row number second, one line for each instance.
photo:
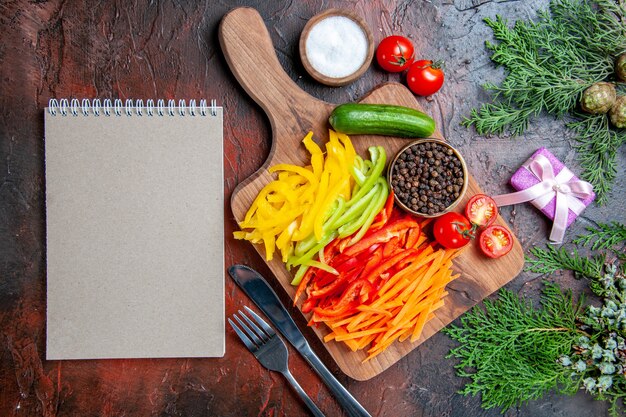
column 400, row 60
column 439, row 64
column 434, row 64
column 463, row 231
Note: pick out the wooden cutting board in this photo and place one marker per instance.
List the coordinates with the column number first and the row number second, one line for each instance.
column 292, row 113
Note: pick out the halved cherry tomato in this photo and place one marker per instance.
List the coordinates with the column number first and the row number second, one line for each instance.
column 453, row 230
column 424, row 77
column 395, row 53
column 495, row 241
column 481, row 210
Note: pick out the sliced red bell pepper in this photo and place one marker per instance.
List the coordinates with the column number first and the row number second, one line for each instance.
column 331, row 250
column 309, row 305
column 343, row 263
column 343, row 243
column 357, row 292
column 326, row 278
column 333, row 311
column 382, row 235
column 364, row 257
column 373, row 262
column 392, row 246
column 338, row 284
column 404, row 262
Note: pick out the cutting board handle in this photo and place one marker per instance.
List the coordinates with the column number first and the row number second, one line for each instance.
column 250, row 54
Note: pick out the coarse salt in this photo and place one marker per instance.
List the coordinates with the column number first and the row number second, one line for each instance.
column 336, row 46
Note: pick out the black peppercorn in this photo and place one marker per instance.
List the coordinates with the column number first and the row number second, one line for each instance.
column 427, row 177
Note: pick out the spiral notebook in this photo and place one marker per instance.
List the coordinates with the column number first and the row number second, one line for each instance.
column 134, row 229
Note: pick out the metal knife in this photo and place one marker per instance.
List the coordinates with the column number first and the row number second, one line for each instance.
column 259, row 291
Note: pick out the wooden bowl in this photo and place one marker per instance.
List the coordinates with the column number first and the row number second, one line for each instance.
column 461, row 192
column 323, row 78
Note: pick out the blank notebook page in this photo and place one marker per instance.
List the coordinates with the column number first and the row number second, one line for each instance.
column 134, row 213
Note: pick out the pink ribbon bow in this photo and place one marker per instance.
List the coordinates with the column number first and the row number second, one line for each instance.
column 568, row 193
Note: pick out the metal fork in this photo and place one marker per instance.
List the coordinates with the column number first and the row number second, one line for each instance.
column 269, row 349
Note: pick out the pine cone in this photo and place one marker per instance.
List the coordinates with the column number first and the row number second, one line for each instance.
column 599, row 98
column 618, row 113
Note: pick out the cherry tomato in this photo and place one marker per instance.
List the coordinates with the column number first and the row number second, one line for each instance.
column 481, row 210
column 495, row 241
column 395, row 53
column 424, row 77
column 453, row 230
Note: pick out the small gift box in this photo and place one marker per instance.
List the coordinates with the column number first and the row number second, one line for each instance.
column 550, row 186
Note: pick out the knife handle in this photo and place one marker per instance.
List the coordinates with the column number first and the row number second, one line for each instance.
column 343, row 396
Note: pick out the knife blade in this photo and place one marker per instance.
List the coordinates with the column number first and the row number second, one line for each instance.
column 259, row 291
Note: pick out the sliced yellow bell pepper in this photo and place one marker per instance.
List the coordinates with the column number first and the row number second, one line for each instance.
column 297, row 169
column 305, row 207
column 317, row 157
column 306, row 227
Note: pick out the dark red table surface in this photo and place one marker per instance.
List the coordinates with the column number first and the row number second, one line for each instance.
column 115, row 49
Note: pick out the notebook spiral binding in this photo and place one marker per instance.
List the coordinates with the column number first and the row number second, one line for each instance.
column 117, row 107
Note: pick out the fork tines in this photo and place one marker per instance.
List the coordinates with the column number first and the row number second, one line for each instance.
column 252, row 336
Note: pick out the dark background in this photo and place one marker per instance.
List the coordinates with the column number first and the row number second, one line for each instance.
column 120, row 49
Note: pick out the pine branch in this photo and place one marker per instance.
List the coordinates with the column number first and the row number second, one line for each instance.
column 606, row 236
column 597, row 151
column 510, row 349
column 498, row 118
column 552, row 260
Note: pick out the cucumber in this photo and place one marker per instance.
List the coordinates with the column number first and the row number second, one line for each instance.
column 381, row 119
